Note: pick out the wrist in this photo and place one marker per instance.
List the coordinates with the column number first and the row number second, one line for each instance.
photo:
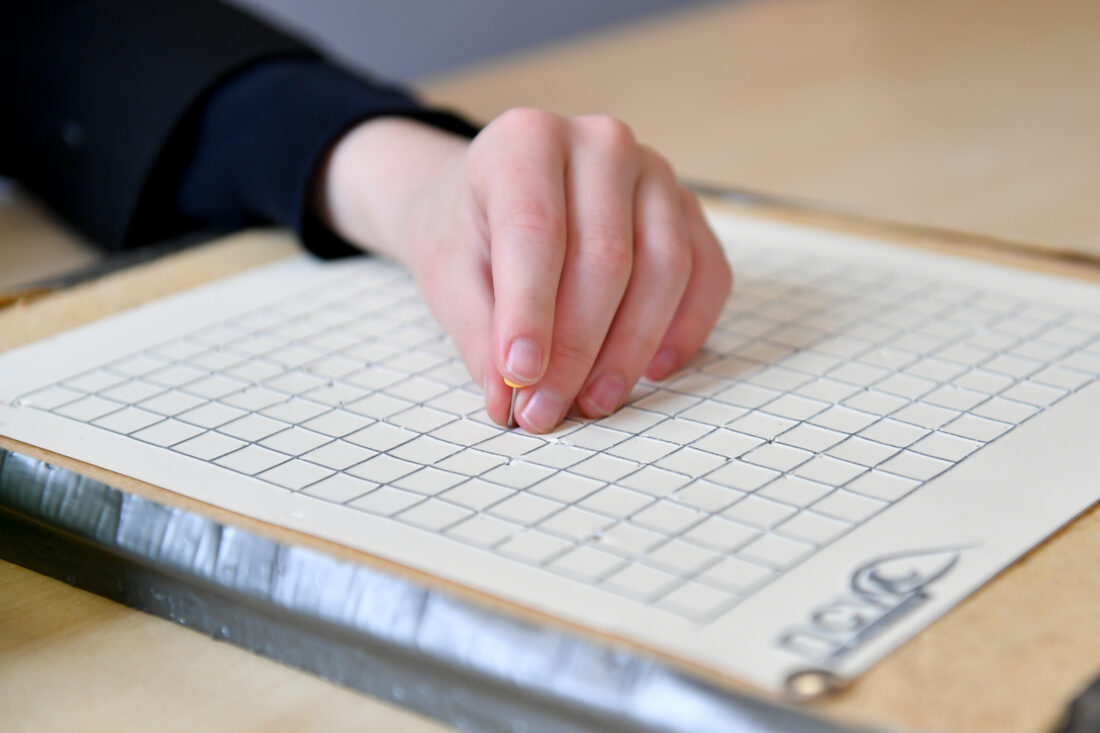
column 371, row 182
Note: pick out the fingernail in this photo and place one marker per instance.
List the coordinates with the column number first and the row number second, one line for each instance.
column 663, row 364
column 543, row 411
column 524, row 360
column 606, row 392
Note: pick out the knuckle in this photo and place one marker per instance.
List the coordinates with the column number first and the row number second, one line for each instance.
column 712, row 257
column 515, row 129
column 674, row 257
column 688, row 200
column 523, row 307
column 533, row 220
column 571, row 358
column 609, row 254
column 538, row 306
column 525, row 121
column 693, row 209
column 611, row 132
column 643, row 342
column 658, row 164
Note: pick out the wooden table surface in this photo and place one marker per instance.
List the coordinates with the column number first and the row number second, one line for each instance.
column 978, row 116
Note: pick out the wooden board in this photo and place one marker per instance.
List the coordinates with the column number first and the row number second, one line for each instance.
column 1007, row 659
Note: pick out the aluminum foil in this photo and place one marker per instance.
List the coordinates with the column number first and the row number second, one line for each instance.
column 469, row 666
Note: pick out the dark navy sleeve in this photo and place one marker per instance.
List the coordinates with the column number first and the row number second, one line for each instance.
column 138, row 120
column 262, row 135
column 96, row 95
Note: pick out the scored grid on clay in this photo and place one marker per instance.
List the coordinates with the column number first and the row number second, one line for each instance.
column 827, row 392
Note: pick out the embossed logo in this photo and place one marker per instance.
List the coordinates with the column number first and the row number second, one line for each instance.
column 882, row 591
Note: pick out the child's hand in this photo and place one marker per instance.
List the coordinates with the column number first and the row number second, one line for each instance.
column 559, row 253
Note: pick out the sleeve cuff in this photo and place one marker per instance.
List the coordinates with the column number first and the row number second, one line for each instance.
column 263, row 134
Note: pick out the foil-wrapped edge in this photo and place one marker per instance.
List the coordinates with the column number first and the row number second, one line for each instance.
column 472, row 667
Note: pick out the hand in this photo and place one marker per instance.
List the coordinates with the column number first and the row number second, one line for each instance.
column 560, row 254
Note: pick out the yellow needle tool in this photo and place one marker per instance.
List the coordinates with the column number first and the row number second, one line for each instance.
column 512, row 406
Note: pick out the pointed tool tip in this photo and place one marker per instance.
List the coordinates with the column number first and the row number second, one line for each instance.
column 512, row 408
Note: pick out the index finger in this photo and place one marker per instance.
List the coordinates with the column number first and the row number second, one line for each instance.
column 523, row 198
